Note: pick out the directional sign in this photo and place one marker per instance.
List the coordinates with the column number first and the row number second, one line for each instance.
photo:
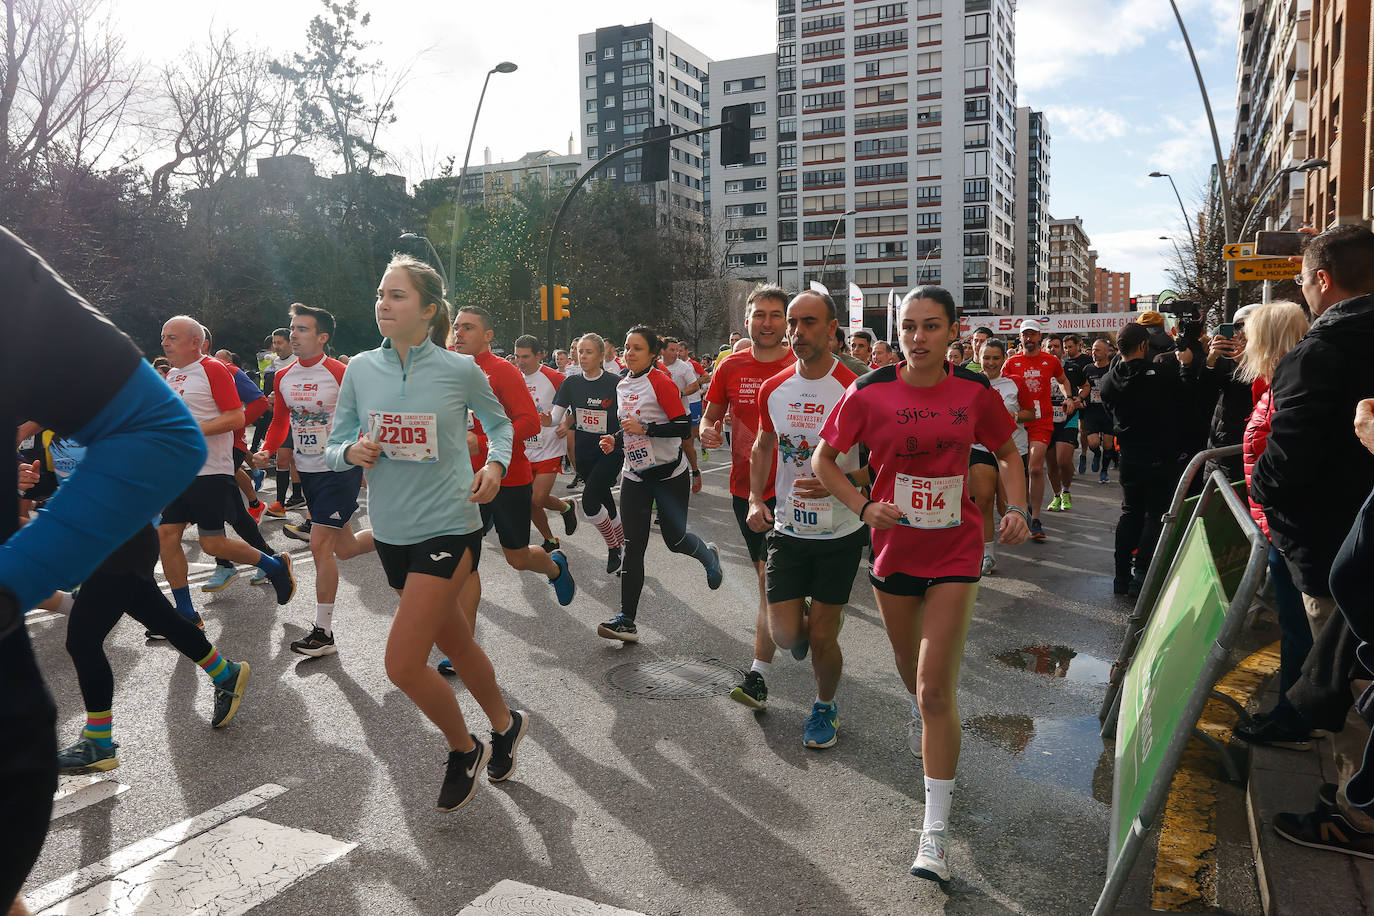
column 1238, row 251
column 1266, row 269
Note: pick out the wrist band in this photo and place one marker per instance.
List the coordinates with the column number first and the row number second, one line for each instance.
column 865, row 508
column 1021, row 512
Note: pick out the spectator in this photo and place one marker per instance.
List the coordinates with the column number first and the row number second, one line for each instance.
column 1231, row 397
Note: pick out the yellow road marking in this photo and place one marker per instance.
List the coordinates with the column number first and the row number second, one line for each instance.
column 1185, row 874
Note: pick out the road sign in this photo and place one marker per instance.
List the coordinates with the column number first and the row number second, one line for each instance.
column 1265, row 269
column 1238, row 251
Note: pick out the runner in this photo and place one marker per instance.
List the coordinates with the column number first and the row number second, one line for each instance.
column 653, row 421
column 544, row 449
column 688, row 383
column 207, row 389
column 1065, row 413
column 1036, row 370
column 981, row 335
column 861, row 346
column 735, row 388
column 925, row 529
column 305, row 395
column 816, row 542
column 589, row 400
column 289, row 495
column 1096, row 424
column 612, row 363
column 1077, row 360
column 983, row 479
column 410, row 399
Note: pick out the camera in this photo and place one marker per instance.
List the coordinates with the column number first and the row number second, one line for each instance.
column 1189, row 315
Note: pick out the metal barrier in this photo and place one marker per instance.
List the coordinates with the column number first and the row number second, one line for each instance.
column 1134, row 811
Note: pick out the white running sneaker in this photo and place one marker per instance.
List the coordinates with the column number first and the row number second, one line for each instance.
column 913, row 736
column 930, row 860
column 989, row 564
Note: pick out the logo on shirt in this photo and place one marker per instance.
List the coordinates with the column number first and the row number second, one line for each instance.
column 913, row 414
column 958, row 416
column 797, row 453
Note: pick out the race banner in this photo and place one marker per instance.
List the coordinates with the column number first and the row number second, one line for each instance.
column 856, row 307
column 1008, row 325
column 891, row 313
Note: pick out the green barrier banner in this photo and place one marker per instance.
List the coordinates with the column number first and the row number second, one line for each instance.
column 1173, row 652
column 1230, row 542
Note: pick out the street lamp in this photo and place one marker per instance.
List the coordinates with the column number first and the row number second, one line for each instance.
column 438, row 261
column 1187, row 220
column 836, row 231
column 504, row 67
column 1307, row 165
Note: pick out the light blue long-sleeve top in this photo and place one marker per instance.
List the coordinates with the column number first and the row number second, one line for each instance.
column 413, row 501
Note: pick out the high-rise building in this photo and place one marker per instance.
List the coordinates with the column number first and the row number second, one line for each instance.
column 1272, row 58
column 492, row 183
column 1031, row 267
column 636, row 76
column 1111, row 290
column 894, row 148
column 744, row 197
column 1339, row 101
column 1070, row 280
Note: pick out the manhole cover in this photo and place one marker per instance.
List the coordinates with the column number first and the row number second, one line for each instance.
column 675, row 678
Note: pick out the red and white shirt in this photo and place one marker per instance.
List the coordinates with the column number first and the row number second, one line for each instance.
column 1037, row 375
column 542, row 386
column 304, row 396
column 650, row 398
column 735, row 386
column 207, row 388
column 795, row 408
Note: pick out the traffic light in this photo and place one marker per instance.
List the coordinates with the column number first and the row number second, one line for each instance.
column 1133, row 303
column 654, row 162
column 560, row 303
column 734, row 135
column 543, row 303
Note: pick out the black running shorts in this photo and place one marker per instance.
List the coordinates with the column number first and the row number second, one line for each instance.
column 754, row 540
column 439, row 556
column 510, row 513
column 905, row 586
column 207, row 503
column 821, row 569
column 982, row 456
column 332, row 495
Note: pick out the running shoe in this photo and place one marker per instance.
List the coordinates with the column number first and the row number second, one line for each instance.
column 989, row 565
column 219, row 580
column 445, row 667
column 284, row 582
column 913, row 736
column 85, row 756
column 705, row 454
column 549, row 545
column 294, row 501
column 255, row 512
column 316, row 644
column 619, row 627
column 1289, row 732
column 752, row 693
column 299, row 532
column 569, row 518
column 1083, row 464
column 576, row 482
column 696, row 481
column 1325, row 829
column 1055, row 505
column 563, row 586
column 821, row 725
column 504, row 745
column 1065, row 502
column 1037, row 531
column 259, row 577
column 460, row 776
column 714, row 574
column 1097, row 463
column 228, row 697
column 258, row 477
column 615, row 560
column 198, row 620
column 277, row 510
column 1102, row 477
column 930, row 859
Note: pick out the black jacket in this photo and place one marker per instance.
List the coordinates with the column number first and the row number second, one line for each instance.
column 1231, row 403
column 1315, row 474
column 1144, row 399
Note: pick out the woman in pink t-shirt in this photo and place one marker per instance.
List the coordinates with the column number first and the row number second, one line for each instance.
column 919, row 420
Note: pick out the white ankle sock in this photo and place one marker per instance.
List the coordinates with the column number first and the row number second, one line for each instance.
column 324, row 617
column 761, row 667
column 939, row 797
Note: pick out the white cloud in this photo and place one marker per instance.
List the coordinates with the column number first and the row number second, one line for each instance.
column 1139, row 251
column 1090, row 124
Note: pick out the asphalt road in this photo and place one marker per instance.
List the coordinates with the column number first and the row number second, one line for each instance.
column 654, row 805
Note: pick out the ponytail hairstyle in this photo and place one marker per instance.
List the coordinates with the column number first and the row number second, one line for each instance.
column 596, row 341
column 430, row 286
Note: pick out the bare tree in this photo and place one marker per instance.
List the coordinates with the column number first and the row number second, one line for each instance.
column 704, row 272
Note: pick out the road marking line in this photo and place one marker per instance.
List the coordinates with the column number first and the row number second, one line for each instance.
column 143, row 850
column 1185, row 875
column 511, row 898
column 33, row 617
column 77, row 792
column 226, row 871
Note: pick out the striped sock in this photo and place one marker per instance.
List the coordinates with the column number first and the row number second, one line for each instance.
column 618, row 531
column 99, row 728
column 218, row 667
column 602, row 523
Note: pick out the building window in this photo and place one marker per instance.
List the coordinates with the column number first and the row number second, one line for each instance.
column 608, row 53
column 591, row 104
column 609, row 78
column 591, row 154
column 929, row 34
column 976, row 26
column 590, row 58
column 976, row 54
column 880, row 41
column 928, row 89
column 608, row 102
column 609, row 126
column 927, row 60
column 591, row 130
column 589, row 82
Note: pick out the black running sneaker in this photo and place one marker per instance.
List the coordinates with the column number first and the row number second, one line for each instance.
column 228, row 697
column 615, row 559
column 299, row 532
column 460, row 778
column 1325, row 829
column 570, row 518
column 619, row 627
column 504, row 745
column 576, row 482
column 1276, row 731
column 752, row 693
column 316, row 644
column 294, row 501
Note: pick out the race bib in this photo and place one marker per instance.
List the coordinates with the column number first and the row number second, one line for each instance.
column 1096, row 396
column 639, row 452
column 406, row 436
column 809, row 516
column 591, row 421
column 930, row 502
column 310, row 436
column 1037, row 408
column 1059, row 413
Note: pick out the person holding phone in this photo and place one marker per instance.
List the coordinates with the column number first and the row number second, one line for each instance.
column 1231, row 398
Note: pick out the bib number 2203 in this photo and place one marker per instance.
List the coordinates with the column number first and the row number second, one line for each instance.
column 406, row 436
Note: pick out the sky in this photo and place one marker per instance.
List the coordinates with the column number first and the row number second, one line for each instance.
column 1113, row 78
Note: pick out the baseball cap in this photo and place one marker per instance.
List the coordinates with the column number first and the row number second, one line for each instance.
column 1029, row 324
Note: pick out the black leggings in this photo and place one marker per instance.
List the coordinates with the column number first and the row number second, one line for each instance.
column 28, row 761
column 637, row 499
column 104, row 598
column 246, row 528
column 598, row 476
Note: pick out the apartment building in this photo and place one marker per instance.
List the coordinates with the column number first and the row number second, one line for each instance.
column 1031, row 267
column 1111, row 290
column 744, row 197
column 1070, row 278
column 1340, row 129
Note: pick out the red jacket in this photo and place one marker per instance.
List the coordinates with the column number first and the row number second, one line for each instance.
column 1255, row 442
column 508, row 384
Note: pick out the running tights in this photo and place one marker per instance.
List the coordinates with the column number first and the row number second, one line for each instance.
column 637, row 499
column 598, row 476
column 103, row 599
column 246, row 528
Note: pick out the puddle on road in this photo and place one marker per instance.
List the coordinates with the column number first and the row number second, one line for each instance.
column 1066, row 752
column 1059, row 661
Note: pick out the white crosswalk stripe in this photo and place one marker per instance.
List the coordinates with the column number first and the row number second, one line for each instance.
column 511, row 898
column 77, row 792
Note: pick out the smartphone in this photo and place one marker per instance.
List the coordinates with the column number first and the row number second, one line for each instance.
column 1279, row 244
column 1227, row 330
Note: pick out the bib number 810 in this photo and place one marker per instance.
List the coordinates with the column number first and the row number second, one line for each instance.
column 804, row 517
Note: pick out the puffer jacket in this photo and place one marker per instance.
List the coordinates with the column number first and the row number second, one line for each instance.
column 1254, row 442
